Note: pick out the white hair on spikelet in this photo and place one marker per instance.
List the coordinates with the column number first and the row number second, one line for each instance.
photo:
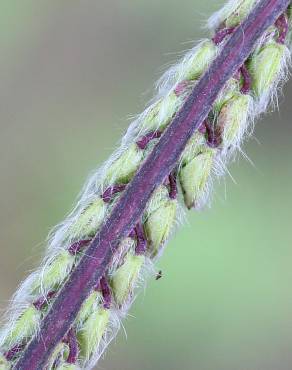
column 230, row 7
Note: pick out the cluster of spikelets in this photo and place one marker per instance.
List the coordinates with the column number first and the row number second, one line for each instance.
column 245, row 96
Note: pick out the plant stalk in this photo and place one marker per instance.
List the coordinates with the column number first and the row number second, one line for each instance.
column 154, row 170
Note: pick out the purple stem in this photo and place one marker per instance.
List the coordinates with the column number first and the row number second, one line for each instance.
column 202, row 128
column 221, row 34
column 246, row 86
column 71, row 340
column 11, row 353
column 172, row 185
column 106, row 292
column 214, row 138
column 42, row 301
column 141, row 239
column 78, row 246
column 181, row 87
column 145, row 140
column 132, row 233
column 282, row 24
column 108, row 194
column 153, row 171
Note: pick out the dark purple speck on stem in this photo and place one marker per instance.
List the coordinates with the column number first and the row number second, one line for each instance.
column 158, row 275
column 156, row 167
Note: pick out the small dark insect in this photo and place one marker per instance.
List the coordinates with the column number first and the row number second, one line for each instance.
column 158, row 275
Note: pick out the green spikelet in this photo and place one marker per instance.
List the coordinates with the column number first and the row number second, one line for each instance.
column 198, row 62
column 126, row 245
column 159, row 218
column 265, row 66
column 88, row 307
column 123, row 168
column 237, row 11
column 162, row 112
column 24, row 327
column 231, row 89
column 194, row 173
column 92, row 332
column 125, row 277
column 55, row 272
column 88, row 222
column 232, row 118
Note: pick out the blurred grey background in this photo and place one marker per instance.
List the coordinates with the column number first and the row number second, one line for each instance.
column 71, row 74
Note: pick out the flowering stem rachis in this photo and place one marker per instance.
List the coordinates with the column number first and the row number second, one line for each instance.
column 124, row 226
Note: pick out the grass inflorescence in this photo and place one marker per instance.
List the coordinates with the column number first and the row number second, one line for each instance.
column 246, row 95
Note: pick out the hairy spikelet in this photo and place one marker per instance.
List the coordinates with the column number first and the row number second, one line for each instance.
column 244, row 97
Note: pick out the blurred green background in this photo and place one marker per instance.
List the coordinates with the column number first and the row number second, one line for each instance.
column 71, row 72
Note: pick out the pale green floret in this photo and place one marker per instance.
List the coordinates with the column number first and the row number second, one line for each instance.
column 159, row 197
column 126, row 245
column 228, row 93
column 123, row 168
column 150, row 121
column 4, row 365
column 88, row 307
column 162, row 112
column 169, row 106
column 24, row 327
column 88, row 222
column 124, row 279
column 232, row 119
column 265, row 66
column 237, row 12
column 193, row 147
column 92, row 332
column 55, row 272
column 194, row 175
column 193, row 68
column 159, row 218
